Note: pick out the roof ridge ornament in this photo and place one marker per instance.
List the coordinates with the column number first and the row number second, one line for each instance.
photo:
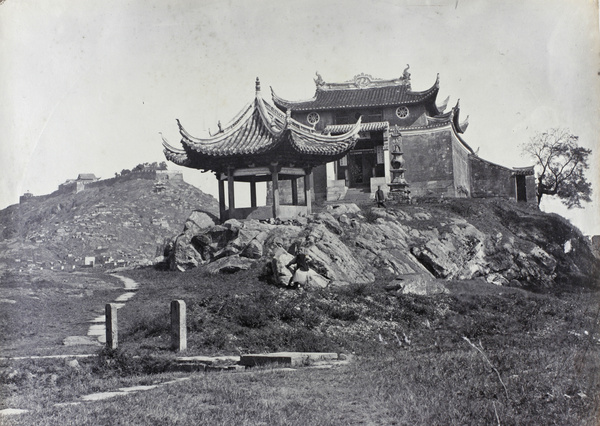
column 257, row 85
column 319, row 80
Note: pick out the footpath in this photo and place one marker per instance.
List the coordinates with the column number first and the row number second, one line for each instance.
column 279, row 361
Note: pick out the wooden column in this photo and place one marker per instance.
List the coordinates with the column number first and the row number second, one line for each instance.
column 221, row 199
column 295, row 191
column 253, row 193
column 275, row 181
column 231, row 194
column 308, row 190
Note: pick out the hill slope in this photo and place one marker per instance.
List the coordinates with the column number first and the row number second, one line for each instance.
column 124, row 220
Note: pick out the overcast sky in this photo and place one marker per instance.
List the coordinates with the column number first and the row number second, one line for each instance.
column 86, row 86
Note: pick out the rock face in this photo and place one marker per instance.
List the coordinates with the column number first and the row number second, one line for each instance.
column 413, row 244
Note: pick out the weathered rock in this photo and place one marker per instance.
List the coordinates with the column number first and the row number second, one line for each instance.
column 424, row 241
column 329, row 221
column 197, row 221
column 419, row 284
column 229, row 264
column 280, row 274
column 342, row 208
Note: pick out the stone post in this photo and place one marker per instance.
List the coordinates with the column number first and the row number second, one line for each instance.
column 112, row 330
column 178, row 326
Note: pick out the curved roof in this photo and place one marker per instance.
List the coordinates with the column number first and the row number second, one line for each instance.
column 363, row 91
column 259, row 136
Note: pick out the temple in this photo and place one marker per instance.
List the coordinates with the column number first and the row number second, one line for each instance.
column 342, row 144
column 408, row 143
column 262, row 144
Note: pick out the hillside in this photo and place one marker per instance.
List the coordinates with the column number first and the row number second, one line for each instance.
column 120, row 221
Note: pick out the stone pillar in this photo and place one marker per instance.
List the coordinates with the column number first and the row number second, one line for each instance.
column 330, row 171
column 112, row 330
column 178, row 326
column 231, row 193
column 252, row 193
column 386, row 156
column 275, row 181
column 308, row 190
column 295, row 191
column 221, row 199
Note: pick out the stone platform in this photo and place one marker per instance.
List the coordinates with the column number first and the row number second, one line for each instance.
column 292, row 359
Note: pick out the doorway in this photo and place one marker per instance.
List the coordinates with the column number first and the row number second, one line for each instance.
column 521, row 188
column 361, row 168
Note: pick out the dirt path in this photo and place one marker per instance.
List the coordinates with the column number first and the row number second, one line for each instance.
column 97, row 329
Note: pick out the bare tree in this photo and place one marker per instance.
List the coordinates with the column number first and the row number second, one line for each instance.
column 561, row 164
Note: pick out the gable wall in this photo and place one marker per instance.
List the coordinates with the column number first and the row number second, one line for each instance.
column 428, row 163
column 491, row 180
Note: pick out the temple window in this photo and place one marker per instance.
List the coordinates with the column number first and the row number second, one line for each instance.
column 313, row 118
column 402, row 112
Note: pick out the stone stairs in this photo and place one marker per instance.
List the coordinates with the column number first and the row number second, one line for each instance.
column 358, row 196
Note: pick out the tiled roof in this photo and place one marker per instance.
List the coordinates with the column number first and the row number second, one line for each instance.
column 364, row 127
column 523, row 171
column 86, row 176
column 394, row 93
column 260, row 135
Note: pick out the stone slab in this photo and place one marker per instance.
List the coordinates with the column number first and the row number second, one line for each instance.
column 208, row 359
column 288, row 358
column 102, row 396
column 12, row 411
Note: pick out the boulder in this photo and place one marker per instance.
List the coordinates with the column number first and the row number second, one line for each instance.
column 197, row 221
column 229, row 265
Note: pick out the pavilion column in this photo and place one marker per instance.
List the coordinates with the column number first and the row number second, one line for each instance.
column 221, row 199
column 253, row 193
column 295, row 191
column 308, row 190
column 275, row 180
column 230, row 191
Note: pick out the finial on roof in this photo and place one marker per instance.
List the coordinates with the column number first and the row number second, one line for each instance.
column 405, row 73
column 257, row 84
column 437, row 80
column 319, row 80
column 220, row 128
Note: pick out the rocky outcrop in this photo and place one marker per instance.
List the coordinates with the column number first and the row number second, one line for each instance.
column 413, row 244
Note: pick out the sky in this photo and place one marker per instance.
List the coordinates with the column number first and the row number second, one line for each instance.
column 87, row 86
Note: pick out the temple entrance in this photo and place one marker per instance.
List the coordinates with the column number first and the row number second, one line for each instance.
column 521, row 188
column 361, row 165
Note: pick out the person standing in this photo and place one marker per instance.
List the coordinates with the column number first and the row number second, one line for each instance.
column 380, row 197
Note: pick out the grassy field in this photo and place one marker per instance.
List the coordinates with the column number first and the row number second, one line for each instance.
column 530, row 358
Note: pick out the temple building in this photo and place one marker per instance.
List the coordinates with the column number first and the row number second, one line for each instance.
column 346, row 141
column 262, row 144
column 407, row 141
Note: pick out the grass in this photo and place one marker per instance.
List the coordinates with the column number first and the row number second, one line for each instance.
column 41, row 308
column 537, row 361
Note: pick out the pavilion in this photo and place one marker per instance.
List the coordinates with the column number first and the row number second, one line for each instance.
column 262, row 144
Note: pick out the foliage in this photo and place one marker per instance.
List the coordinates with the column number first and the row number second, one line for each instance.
column 561, row 164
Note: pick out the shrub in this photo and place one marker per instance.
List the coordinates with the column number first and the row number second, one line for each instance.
column 251, row 317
